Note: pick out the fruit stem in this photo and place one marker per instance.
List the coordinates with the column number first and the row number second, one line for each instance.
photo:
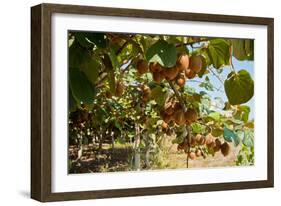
column 178, row 96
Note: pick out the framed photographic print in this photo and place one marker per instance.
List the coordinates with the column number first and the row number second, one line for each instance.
column 132, row 102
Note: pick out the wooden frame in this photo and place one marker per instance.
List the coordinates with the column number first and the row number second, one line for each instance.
column 41, row 102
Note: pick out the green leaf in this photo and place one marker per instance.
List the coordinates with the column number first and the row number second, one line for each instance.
column 218, row 52
column 82, row 90
column 198, row 128
column 99, row 39
column 163, row 53
column 81, row 38
column 91, row 69
column 215, row 116
column 77, row 55
column 230, row 136
column 159, row 95
column 239, row 87
column 242, row 113
column 248, row 138
column 243, row 49
column 216, row 132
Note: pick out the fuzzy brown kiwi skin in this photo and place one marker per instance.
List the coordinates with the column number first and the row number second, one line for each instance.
column 142, row 66
column 192, row 155
column 167, row 118
column 179, row 117
column 171, row 73
column 195, row 63
column 191, row 116
column 182, row 62
column 217, row 145
column 225, row 149
column 189, row 73
column 155, row 67
column 157, row 77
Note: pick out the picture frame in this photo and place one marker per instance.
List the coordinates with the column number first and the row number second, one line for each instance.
column 41, row 101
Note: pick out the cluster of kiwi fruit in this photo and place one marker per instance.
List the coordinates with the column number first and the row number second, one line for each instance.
column 173, row 112
column 213, row 144
column 186, row 68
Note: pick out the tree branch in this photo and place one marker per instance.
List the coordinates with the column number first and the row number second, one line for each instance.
column 178, row 95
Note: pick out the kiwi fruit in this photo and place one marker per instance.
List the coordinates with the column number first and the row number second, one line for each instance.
column 164, row 125
column 189, row 73
column 146, row 90
column 195, row 63
column 209, row 141
column 192, row 155
column 155, row 67
column 217, row 145
column 179, row 117
column 171, row 73
column 200, row 139
column 167, row 118
column 157, row 77
column 169, row 108
column 119, row 89
column 142, row 66
column 225, row 149
column 180, row 81
column 182, row 62
column 190, row 116
column 198, row 153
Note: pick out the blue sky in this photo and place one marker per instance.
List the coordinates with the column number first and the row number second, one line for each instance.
column 238, row 65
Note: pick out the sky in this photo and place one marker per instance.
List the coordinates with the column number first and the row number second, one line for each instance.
column 238, row 65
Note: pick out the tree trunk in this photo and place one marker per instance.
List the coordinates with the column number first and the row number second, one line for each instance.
column 137, row 148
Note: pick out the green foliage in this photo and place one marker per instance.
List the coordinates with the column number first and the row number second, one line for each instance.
column 218, row 51
column 81, row 88
column 230, row 136
column 239, row 87
column 243, row 49
column 163, row 53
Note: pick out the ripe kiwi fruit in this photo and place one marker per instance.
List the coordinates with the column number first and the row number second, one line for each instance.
column 179, row 117
column 171, row 73
column 119, row 89
column 190, row 116
column 195, row 63
column 192, row 155
column 180, row 80
column 155, row 67
column 142, row 66
column 182, row 62
column 198, row 153
column 157, row 77
column 217, row 145
column 192, row 141
column 200, row 139
column 209, row 141
column 225, row 149
column 146, row 90
column 180, row 146
column 189, row 73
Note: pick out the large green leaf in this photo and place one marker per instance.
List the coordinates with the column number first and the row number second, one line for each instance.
column 215, row 116
column 239, row 87
column 218, row 52
column 91, row 69
column 82, row 90
column 230, row 136
column 242, row 113
column 243, row 49
column 163, row 53
column 77, row 55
